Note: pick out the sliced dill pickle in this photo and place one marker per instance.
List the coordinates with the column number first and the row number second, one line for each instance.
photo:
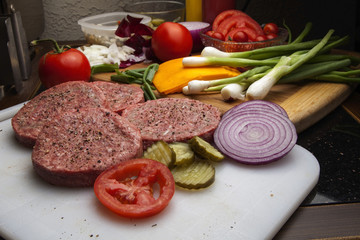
column 157, row 21
column 183, row 153
column 205, row 149
column 196, row 175
column 161, row 152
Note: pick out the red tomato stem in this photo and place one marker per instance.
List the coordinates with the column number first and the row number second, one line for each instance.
column 57, row 48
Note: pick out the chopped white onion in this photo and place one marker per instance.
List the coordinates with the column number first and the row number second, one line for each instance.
column 99, row 54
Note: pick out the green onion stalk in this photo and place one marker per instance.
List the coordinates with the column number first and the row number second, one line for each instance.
column 286, row 64
column 197, row 86
column 309, row 60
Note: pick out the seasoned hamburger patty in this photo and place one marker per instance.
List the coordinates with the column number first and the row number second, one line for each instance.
column 172, row 119
column 29, row 120
column 120, row 96
column 75, row 147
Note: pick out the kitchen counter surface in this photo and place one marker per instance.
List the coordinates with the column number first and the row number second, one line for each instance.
column 332, row 209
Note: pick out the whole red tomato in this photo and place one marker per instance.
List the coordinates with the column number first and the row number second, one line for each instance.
column 171, row 40
column 63, row 65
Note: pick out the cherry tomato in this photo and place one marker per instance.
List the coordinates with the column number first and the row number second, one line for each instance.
column 219, row 36
column 251, row 33
column 240, row 36
column 58, row 66
column 129, row 188
column 210, row 33
column 271, row 36
column 171, row 40
column 260, row 38
column 238, row 21
column 271, row 28
column 225, row 14
column 216, row 35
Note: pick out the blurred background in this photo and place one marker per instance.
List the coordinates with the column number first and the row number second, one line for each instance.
column 58, row 18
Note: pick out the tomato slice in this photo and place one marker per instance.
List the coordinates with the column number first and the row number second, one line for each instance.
column 130, row 188
column 238, row 21
column 224, row 15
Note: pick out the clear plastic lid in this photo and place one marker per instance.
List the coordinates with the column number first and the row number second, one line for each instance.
column 107, row 23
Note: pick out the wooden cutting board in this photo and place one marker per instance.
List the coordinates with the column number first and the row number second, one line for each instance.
column 305, row 103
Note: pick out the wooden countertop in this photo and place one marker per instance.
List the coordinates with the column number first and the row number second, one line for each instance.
column 324, row 221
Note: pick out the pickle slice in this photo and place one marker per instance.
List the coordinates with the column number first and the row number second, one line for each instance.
column 205, row 149
column 196, row 175
column 161, row 152
column 183, row 153
column 157, row 21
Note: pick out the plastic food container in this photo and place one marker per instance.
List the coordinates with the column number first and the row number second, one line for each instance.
column 159, row 11
column 100, row 29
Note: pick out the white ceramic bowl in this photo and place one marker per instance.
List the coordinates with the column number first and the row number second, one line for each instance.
column 100, row 29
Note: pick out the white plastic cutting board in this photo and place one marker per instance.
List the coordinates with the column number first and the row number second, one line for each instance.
column 245, row 202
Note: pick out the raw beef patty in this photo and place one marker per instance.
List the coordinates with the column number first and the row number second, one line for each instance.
column 29, row 120
column 75, row 147
column 120, row 96
column 173, row 119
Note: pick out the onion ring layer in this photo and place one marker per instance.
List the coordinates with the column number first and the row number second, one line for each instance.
column 256, row 134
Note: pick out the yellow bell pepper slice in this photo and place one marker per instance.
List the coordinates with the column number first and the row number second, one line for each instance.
column 172, row 76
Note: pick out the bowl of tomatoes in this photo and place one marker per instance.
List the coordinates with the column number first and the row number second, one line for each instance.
column 235, row 31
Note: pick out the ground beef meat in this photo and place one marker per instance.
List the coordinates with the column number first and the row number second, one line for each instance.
column 76, row 146
column 172, row 119
column 120, row 96
column 29, row 120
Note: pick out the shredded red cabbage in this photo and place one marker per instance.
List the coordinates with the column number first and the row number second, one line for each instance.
column 131, row 25
column 136, row 42
column 127, row 63
column 132, row 28
column 123, row 29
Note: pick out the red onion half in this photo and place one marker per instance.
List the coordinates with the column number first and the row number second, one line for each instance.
column 255, row 135
column 195, row 28
column 257, row 104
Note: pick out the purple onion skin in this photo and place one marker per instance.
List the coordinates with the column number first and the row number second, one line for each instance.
column 195, row 28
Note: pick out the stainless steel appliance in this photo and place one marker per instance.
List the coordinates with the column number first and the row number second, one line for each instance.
column 15, row 65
